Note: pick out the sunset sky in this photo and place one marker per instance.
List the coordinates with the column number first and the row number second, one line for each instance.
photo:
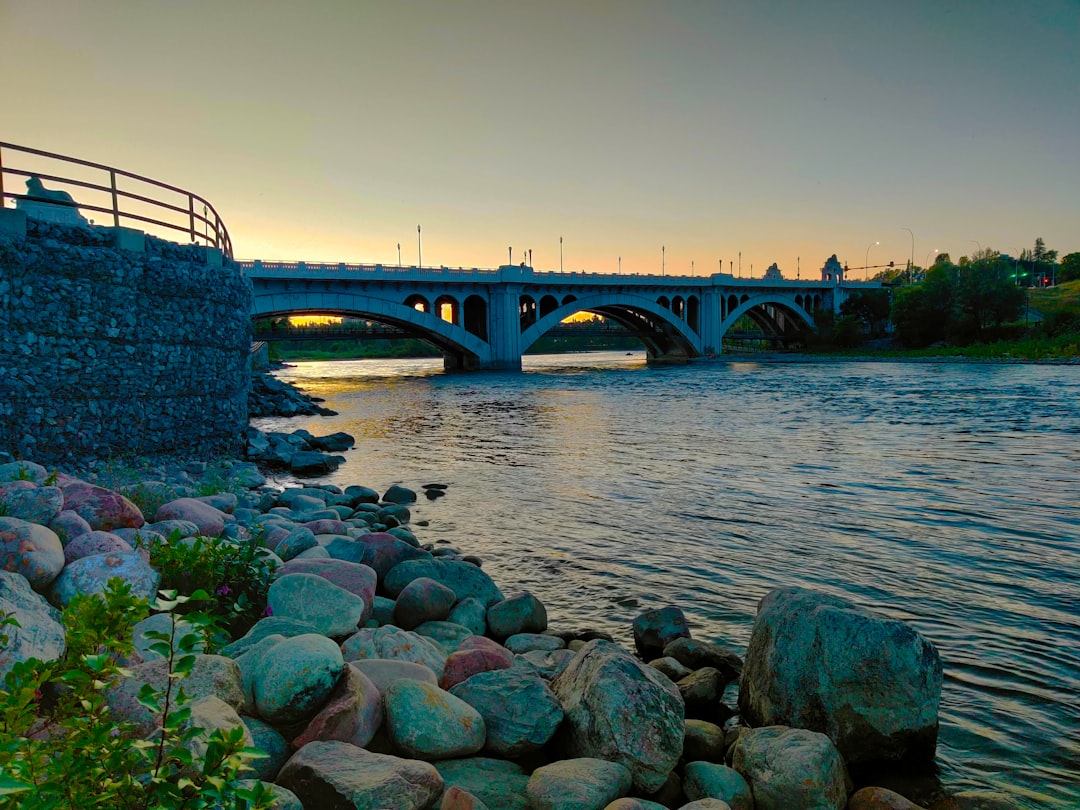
column 782, row 129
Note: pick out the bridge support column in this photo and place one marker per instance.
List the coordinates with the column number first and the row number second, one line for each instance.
column 712, row 338
column 504, row 327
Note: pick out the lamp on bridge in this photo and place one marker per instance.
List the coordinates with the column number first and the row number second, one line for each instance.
column 419, row 249
column 934, row 252
column 560, row 254
column 662, row 272
column 866, row 261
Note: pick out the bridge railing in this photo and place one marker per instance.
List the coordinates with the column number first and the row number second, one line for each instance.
column 123, row 196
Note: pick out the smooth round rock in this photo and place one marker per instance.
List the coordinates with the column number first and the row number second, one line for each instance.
column 708, row 780
column 35, row 504
column 498, row 783
column 68, row 525
column 298, row 675
column 791, row 767
column 102, row 508
column 529, row 642
column 297, row 541
column 384, row 671
column 462, row 664
column 40, row 633
column 577, row 784
column 464, row 579
column 211, row 521
column 520, row 613
column 91, row 574
column 337, row 775
column 352, row 713
column 310, row 598
column 422, row 600
column 393, row 642
column 31, row 550
column 92, row 543
column 427, row 723
column 399, row 494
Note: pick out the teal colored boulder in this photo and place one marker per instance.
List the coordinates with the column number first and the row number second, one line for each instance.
column 90, row 575
column 577, row 784
column 424, row 722
column 464, row 579
column 422, row 600
column 520, row 613
column 708, row 780
column 297, row 676
column 520, row 712
column 471, row 613
column 310, row 598
column 499, row 784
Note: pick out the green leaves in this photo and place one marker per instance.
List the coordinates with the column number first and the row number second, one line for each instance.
column 59, row 741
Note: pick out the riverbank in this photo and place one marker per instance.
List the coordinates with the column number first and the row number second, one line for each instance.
column 344, row 565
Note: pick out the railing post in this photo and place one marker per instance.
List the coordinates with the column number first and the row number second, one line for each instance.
column 3, row 199
column 191, row 216
column 115, row 201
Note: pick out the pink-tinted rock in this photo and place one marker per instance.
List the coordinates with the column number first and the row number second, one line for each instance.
column 68, row 525
column 31, row 550
column 224, row 501
column 384, row 671
column 463, row 664
column 211, row 521
column 485, row 643
column 383, row 551
column 102, row 508
column 327, row 526
column 457, row 799
column 355, row 578
column 275, row 535
column 10, row 487
column 352, row 713
column 94, row 543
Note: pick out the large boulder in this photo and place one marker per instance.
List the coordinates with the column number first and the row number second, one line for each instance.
column 39, row 633
column 420, row 601
column 383, row 552
column 310, row 598
column 520, row 613
column 352, row 714
column 596, row 689
column 655, row 629
column 819, row 662
column 695, row 654
column 31, row 550
column 91, row 574
column 464, row 579
column 384, row 671
column 707, row 780
column 33, row 504
column 340, row 776
column 520, row 712
column 210, row 520
column 427, row 723
column 577, row 784
column 102, row 508
column 296, row 677
column 91, row 543
column 791, row 767
column 393, row 642
column 353, row 577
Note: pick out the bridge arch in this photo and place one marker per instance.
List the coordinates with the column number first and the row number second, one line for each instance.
column 460, row 348
column 757, row 309
column 663, row 334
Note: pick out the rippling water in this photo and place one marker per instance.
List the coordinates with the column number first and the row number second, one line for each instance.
column 944, row 494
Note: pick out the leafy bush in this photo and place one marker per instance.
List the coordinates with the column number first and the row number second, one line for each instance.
column 60, row 747
column 237, row 574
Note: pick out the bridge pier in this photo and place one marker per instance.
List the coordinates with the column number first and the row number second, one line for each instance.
column 712, row 338
column 504, row 328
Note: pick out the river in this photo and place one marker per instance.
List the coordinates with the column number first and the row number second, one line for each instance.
column 945, row 494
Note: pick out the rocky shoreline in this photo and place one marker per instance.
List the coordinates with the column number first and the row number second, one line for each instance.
column 391, row 673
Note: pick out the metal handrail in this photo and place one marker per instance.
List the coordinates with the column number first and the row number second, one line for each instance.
column 214, row 231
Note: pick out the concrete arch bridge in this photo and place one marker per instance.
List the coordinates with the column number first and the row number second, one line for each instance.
column 486, row 319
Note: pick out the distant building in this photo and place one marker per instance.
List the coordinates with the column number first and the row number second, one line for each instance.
column 773, row 273
column 833, row 271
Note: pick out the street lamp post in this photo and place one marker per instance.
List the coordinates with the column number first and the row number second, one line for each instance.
column 399, row 254
column 926, row 264
column 620, row 265
column 530, row 257
column 419, row 249
column 798, row 267
column 691, row 267
column 662, row 271
column 911, row 262
column 866, row 262
column 740, row 264
column 560, row 254
column 510, row 255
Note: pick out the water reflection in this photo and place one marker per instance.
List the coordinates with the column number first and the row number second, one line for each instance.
column 941, row 494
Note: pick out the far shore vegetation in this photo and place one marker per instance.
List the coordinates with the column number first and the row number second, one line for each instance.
column 987, row 306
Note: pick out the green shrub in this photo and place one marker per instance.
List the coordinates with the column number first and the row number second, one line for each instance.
column 60, row 748
column 237, row 574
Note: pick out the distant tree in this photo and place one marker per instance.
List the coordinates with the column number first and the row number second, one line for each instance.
column 871, row 308
column 891, row 275
column 1041, row 255
column 921, row 313
column 941, row 259
column 1070, row 267
column 986, row 298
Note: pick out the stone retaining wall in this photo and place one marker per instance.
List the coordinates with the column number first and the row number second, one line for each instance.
column 108, row 350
